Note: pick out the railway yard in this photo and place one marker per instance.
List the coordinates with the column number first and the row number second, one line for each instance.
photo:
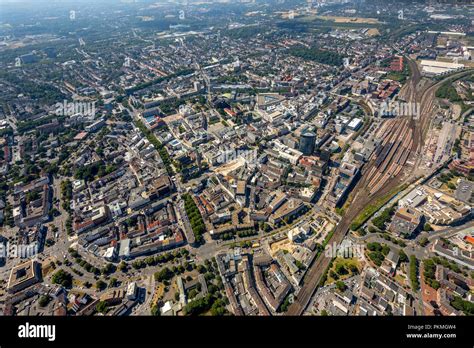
column 394, row 162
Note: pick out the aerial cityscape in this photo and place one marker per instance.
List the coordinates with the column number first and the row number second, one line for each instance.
column 237, row 158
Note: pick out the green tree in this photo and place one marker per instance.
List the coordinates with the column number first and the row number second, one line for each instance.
column 164, row 274
column 415, row 285
column 341, row 286
column 123, row 266
column 403, row 256
column 462, row 305
column 44, row 300
column 100, row 285
column 63, row 278
column 193, row 293
column 101, row 307
column 113, row 282
column 423, row 241
column 155, row 310
column 427, row 227
column 341, row 269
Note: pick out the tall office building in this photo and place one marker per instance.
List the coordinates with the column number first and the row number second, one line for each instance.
column 307, row 143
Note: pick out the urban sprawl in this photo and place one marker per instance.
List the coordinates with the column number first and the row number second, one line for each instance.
column 239, row 158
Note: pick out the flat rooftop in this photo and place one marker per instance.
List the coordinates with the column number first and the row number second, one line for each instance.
column 24, row 272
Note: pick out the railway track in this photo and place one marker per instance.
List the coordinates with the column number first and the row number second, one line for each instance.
column 362, row 194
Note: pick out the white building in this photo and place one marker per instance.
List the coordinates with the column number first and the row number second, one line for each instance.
column 355, row 124
column 132, row 290
column 435, row 68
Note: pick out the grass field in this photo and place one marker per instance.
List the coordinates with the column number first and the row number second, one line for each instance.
column 347, row 263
